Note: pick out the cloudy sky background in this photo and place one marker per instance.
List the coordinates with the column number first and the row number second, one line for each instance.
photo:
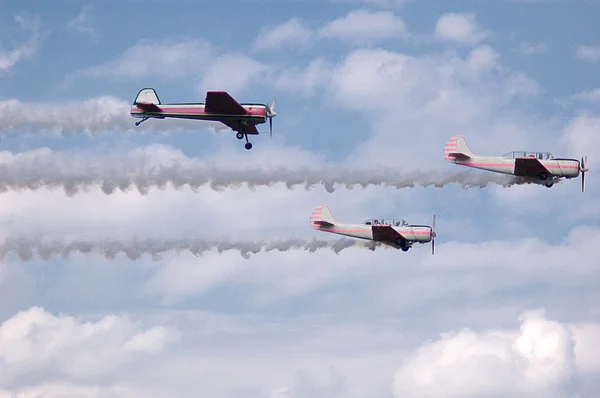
column 506, row 307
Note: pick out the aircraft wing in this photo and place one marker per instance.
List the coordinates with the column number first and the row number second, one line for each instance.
column 529, row 167
column 221, row 102
column 148, row 106
column 386, row 232
column 234, row 125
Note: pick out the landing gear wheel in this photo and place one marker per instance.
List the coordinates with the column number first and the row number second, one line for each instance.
column 549, row 185
column 248, row 146
column 398, row 242
column 239, row 136
column 543, row 176
column 405, row 248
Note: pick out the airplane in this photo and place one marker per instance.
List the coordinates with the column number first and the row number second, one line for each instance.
column 396, row 233
column 538, row 167
column 219, row 106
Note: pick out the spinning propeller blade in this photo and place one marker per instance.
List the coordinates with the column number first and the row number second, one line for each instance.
column 271, row 114
column 583, row 168
column 433, row 235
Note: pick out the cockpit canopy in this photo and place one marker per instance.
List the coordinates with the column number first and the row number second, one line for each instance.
column 392, row 222
column 523, row 154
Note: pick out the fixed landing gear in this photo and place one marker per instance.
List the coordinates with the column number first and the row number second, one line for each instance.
column 402, row 244
column 141, row 121
column 241, row 134
column 544, row 177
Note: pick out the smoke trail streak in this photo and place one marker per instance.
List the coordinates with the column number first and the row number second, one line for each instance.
column 25, row 249
column 90, row 116
column 157, row 167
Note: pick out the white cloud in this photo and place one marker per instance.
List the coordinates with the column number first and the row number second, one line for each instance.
column 361, row 26
column 304, row 80
column 290, row 33
column 82, row 23
column 482, row 58
column 588, row 53
column 367, row 78
column 151, row 341
column 529, row 48
column 460, row 28
column 232, row 72
column 195, row 59
column 585, row 336
column 480, row 276
column 582, row 138
column 62, row 390
column 165, row 58
column 357, row 27
column 518, row 83
column 592, row 96
column 9, row 58
column 537, row 360
column 36, row 342
column 380, row 3
column 413, row 104
column 408, row 97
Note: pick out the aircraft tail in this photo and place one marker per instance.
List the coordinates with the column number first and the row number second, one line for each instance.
column 322, row 217
column 146, row 96
column 457, row 149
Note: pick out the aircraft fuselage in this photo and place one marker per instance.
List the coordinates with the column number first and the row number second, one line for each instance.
column 556, row 167
column 255, row 113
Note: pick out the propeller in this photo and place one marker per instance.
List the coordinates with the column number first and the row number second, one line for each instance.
column 583, row 169
column 271, row 114
column 433, row 235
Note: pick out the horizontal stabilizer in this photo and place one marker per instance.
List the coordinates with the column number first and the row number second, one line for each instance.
column 148, row 106
column 323, row 223
column 458, row 155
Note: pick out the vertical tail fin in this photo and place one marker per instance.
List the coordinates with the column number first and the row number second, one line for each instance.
column 146, row 96
column 321, row 217
column 457, row 148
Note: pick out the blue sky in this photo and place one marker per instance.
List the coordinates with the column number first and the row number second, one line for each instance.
column 506, row 307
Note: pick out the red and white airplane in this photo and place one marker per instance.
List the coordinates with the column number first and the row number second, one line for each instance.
column 219, row 106
column 538, row 167
column 396, row 233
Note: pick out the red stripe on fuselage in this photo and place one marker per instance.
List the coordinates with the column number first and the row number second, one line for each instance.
column 199, row 111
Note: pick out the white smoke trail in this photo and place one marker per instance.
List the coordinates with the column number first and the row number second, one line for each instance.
column 25, row 249
column 90, row 117
column 151, row 168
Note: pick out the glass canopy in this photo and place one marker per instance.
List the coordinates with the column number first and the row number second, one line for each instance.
column 381, row 221
column 523, row 154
